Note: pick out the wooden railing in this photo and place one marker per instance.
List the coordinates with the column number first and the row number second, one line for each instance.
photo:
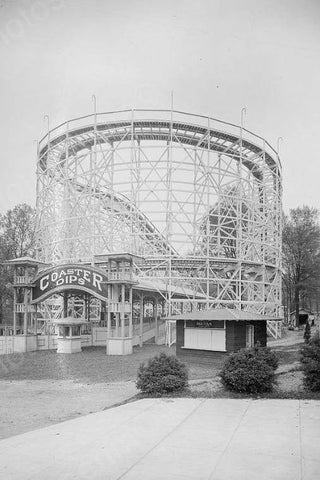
column 22, row 279
column 119, row 307
column 21, row 308
column 121, row 276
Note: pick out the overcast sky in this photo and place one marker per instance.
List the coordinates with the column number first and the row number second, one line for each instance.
column 217, row 57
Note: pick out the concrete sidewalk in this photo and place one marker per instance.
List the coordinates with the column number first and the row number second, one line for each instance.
column 174, row 439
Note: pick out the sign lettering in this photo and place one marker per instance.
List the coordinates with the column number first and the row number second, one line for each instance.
column 205, row 324
column 72, row 277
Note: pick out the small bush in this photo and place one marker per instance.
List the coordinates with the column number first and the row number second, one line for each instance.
column 266, row 354
column 310, row 360
column 162, row 374
column 250, row 370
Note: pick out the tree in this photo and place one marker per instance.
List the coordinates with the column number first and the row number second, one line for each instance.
column 307, row 333
column 16, row 240
column 301, row 254
column 17, row 232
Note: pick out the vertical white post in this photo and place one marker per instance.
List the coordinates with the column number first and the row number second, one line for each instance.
column 37, row 202
column 141, row 319
column 14, row 311
column 93, row 192
column 108, row 317
column 264, row 234
column 115, row 298
column 25, row 315
column 112, row 222
column 219, row 217
column 208, row 236
column 155, row 307
column 25, row 319
column 279, row 226
column 240, row 214
column 131, row 311
column 169, row 207
column 122, row 316
column 195, row 204
column 133, row 189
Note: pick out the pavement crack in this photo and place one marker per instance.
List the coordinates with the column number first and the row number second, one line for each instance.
column 300, row 442
column 162, row 439
column 211, row 476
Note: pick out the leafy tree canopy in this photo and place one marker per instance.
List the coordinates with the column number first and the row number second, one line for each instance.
column 17, row 232
column 16, row 240
column 301, row 253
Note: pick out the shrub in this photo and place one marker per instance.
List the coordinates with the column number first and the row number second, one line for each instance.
column 250, row 370
column 266, row 354
column 310, row 360
column 162, row 374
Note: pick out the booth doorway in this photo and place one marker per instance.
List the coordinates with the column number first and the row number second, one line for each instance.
column 249, row 336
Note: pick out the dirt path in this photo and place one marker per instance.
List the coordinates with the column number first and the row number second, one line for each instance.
column 291, row 337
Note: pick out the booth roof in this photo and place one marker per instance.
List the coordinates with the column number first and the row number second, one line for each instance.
column 227, row 314
column 24, row 261
column 118, row 256
column 302, row 311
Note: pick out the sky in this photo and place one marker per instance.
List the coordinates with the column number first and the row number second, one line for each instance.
column 217, row 56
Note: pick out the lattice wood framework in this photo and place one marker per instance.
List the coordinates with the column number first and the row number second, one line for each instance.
column 198, row 198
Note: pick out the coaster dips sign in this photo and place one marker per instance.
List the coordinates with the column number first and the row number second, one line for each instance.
column 70, row 277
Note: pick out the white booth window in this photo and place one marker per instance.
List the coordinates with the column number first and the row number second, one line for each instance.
column 205, row 338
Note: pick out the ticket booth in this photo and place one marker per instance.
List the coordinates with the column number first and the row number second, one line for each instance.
column 218, row 331
column 69, row 335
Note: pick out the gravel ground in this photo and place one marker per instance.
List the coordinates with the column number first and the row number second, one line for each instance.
column 290, row 382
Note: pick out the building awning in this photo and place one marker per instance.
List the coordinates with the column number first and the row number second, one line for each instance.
column 226, row 314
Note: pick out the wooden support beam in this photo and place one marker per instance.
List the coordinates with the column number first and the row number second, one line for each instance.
column 155, row 312
column 131, row 312
column 14, row 311
column 122, row 316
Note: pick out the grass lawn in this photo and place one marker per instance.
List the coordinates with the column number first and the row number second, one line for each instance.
column 92, row 365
